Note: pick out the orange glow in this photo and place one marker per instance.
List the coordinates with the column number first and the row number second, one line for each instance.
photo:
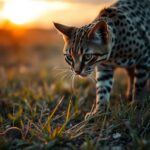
column 22, row 12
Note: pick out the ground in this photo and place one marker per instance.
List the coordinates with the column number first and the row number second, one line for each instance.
column 38, row 111
column 39, row 107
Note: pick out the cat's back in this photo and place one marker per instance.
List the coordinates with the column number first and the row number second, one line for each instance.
column 136, row 11
column 127, row 13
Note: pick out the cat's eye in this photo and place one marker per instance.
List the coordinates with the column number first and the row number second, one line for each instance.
column 88, row 57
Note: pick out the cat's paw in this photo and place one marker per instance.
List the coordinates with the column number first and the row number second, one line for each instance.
column 137, row 104
column 94, row 113
column 89, row 115
column 129, row 97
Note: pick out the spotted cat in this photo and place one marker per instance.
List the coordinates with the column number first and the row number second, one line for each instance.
column 118, row 37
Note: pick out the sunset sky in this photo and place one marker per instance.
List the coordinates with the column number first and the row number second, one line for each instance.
column 41, row 13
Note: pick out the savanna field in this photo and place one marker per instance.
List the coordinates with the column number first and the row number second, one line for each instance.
column 42, row 108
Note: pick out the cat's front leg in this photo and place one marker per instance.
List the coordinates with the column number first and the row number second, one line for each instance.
column 104, row 78
column 140, row 84
column 104, row 83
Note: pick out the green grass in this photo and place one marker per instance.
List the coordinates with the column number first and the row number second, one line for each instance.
column 39, row 111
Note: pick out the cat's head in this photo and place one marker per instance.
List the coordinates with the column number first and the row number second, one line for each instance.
column 86, row 46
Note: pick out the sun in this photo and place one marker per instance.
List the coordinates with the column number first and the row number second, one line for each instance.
column 19, row 11
column 25, row 11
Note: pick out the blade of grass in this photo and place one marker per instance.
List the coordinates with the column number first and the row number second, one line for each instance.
column 53, row 112
column 67, row 118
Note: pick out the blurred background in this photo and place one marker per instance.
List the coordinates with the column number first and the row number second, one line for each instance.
column 28, row 40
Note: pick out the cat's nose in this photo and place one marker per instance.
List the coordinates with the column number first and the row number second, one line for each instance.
column 77, row 71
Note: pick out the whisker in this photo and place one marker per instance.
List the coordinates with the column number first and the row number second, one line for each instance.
column 61, row 73
column 92, row 79
column 93, row 76
column 67, row 76
column 61, row 68
column 72, row 82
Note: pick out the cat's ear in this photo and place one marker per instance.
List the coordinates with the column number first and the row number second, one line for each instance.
column 103, row 28
column 64, row 30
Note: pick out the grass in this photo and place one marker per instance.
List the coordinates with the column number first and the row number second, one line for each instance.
column 39, row 111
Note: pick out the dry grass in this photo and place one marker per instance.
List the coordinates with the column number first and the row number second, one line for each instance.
column 40, row 111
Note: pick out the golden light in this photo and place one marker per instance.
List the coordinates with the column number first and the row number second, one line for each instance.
column 25, row 11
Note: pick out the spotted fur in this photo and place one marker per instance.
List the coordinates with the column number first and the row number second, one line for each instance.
column 118, row 37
